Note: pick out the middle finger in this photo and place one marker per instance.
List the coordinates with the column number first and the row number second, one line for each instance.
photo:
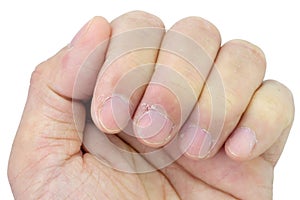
column 185, row 59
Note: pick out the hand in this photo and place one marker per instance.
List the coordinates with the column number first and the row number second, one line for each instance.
column 207, row 102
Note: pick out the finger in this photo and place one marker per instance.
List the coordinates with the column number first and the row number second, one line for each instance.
column 269, row 115
column 136, row 37
column 52, row 123
column 78, row 65
column 238, row 71
column 184, row 61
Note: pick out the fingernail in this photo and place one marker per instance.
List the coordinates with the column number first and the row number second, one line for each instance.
column 154, row 127
column 196, row 142
column 114, row 114
column 81, row 33
column 242, row 142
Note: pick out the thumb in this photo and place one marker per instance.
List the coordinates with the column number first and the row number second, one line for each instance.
column 54, row 117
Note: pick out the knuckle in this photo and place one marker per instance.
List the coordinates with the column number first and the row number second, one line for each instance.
column 37, row 74
column 268, row 107
column 138, row 18
column 280, row 88
column 247, row 50
column 43, row 72
column 200, row 24
column 280, row 99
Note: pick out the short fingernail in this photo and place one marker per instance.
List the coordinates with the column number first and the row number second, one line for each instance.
column 196, row 142
column 154, row 127
column 242, row 142
column 81, row 33
column 114, row 114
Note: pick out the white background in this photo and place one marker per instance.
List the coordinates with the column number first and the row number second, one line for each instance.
column 31, row 31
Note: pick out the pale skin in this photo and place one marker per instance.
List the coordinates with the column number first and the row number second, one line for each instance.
column 47, row 161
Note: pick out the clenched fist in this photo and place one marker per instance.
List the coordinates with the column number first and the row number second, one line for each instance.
column 130, row 111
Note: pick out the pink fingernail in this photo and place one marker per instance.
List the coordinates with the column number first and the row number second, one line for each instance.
column 154, row 128
column 114, row 114
column 196, row 142
column 241, row 142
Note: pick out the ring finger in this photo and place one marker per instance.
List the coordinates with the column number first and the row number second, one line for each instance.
column 238, row 71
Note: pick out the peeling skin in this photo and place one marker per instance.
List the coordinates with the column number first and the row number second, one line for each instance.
column 146, row 107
